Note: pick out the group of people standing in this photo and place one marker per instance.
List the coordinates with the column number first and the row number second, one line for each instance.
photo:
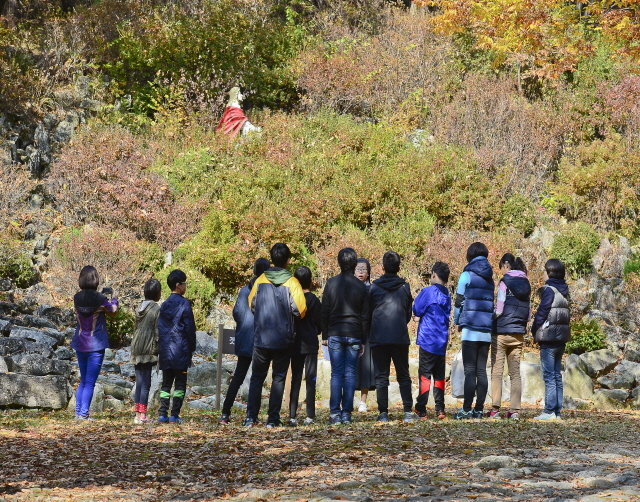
column 362, row 323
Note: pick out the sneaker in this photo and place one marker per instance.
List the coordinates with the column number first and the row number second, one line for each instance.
column 335, row 419
column 409, row 417
column 225, row 418
column 292, row 422
column 273, row 425
column 346, row 418
column 383, row 417
column 546, row 416
column 163, row 420
column 363, row 407
column 249, row 422
column 422, row 414
column 558, row 416
column 176, row 420
column 308, row 421
column 441, row 415
column 492, row 414
column 463, row 415
column 478, row 414
column 137, row 421
column 513, row 415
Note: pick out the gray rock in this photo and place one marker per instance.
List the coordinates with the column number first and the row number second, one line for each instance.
column 206, row 344
column 65, row 353
column 34, row 335
column 577, row 383
column 41, row 137
column 532, row 382
column 123, row 355
column 128, row 370
column 18, row 390
column 63, row 132
column 572, row 361
column 109, row 355
column 35, row 364
column 39, row 322
column 614, row 381
column 635, row 392
column 605, row 399
column 496, row 462
column 113, row 390
column 598, row 362
column 11, row 346
column 629, row 369
column 206, row 403
column 509, row 473
column 111, row 367
column 83, row 86
column 54, row 333
column 202, row 375
column 114, row 380
column 113, row 404
column 597, row 482
column 632, row 352
column 5, row 327
column 3, row 366
column 58, row 316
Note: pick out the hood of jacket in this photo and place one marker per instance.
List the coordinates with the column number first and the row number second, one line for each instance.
column 560, row 285
column 277, row 276
column 480, row 266
column 144, row 308
column 87, row 301
column 518, row 284
column 390, row 282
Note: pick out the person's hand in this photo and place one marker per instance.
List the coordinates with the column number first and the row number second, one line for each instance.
column 459, row 328
column 361, row 351
column 325, row 342
column 415, row 318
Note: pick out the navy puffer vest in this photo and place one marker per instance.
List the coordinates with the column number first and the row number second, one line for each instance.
column 477, row 311
column 515, row 314
column 557, row 327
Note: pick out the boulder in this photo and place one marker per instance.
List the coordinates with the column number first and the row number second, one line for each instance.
column 577, row 384
column 11, row 346
column 3, row 366
column 34, row 335
column 35, row 364
column 496, row 462
column 598, row 362
column 629, row 369
column 605, row 399
column 323, row 379
column 38, row 322
column 8, row 308
column 635, row 392
column 109, row 355
column 532, row 382
column 65, row 353
column 54, row 333
column 122, row 355
column 572, row 361
column 204, row 375
column 632, row 352
column 614, row 381
column 57, row 315
column 18, row 390
column 5, row 327
column 206, row 344
column 128, row 370
column 111, row 367
column 113, row 390
column 206, row 403
column 63, row 132
column 113, row 404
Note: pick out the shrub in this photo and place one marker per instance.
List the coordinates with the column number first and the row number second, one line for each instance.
column 408, row 235
column 518, row 212
column 576, row 245
column 120, row 327
column 586, row 336
column 123, row 262
column 14, row 262
column 632, row 265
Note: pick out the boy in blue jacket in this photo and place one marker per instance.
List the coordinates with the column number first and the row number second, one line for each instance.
column 432, row 308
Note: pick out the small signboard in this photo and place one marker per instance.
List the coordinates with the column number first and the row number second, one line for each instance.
column 226, row 345
column 228, row 341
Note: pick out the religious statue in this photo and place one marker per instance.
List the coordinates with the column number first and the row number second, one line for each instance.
column 234, row 120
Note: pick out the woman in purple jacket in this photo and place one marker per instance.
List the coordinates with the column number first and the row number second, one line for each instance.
column 90, row 339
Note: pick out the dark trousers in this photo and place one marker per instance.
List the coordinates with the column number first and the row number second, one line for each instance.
column 262, row 359
column 178, row 380
column 474, row 360
column 382, row 357
column 242, row 368
column 143, row 382
column 430, row 365
column 308, row 362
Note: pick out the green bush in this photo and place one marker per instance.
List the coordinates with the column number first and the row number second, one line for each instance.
column 120, row 327
column 632, row 265
column 15, row 263
column 200, row 291
column 408, row 235
column 518, row 212
column 575, row 245
column 585, row 337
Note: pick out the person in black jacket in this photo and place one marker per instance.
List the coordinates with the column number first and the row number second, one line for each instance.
column 244, row 339
column 305, row 351
column 391, row 300
column 345, row 327
column 552, row 330
column 176, row 344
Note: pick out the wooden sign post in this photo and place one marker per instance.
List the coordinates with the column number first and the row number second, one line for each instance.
column 226, row 345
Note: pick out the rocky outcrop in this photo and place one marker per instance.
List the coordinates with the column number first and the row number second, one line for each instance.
column 20, row 390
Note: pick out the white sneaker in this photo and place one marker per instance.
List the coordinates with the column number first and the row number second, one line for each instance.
column 363, row 407
column 546, row 416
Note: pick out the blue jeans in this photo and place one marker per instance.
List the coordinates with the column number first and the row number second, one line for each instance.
column 343, row 352
column 551, row 361
column 90, row 364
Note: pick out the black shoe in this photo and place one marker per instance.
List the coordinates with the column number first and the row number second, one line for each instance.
column 225, row 418
column 383, row 417
column 477, row 414
column 463, row 415
column 292, row 422
column 335, row 419
column 249, row 422
column 346, row 418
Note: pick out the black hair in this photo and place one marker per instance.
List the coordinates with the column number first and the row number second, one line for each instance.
column 89, row 278
column 260, row 266
column 176, row 277
column 366, row 262
column 303, row 274
column 347, row 259
column 152, row 290
column 555, row 269
column 391, row 262
column 441, row 269
column 514, row 263
column 280, row 254
column 477, row 249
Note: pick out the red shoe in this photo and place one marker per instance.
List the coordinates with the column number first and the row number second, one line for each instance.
column 422, row 414
column 492, row 414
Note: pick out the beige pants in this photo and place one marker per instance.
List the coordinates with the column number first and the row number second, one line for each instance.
column 509, row 347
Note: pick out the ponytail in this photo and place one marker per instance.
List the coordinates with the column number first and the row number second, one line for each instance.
column 514, row 263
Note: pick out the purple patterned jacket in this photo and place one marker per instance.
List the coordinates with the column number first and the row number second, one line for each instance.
column 91, row 328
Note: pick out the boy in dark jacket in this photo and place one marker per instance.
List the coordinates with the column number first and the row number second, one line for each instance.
column 552, row 330
column 305, row 351
column 276, row 299
column 243, row 317
column 390, row 298
column 432, row 308
column 176, row 344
